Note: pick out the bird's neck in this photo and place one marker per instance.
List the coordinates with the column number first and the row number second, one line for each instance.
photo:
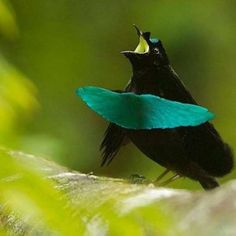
column 150, row 79
column 161, row 81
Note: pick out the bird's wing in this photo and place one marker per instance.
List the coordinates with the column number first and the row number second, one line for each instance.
column 114, row 138
column 145, row 111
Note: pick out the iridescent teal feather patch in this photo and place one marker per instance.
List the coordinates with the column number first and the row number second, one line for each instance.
column 145, row 111
column 154, row 40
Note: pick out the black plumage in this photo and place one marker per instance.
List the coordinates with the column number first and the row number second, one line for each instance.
column 195, row 152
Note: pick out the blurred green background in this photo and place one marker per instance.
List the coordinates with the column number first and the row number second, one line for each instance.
column 49, row 48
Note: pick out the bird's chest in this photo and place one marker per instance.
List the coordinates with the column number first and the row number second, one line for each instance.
column 161, row 145
column 150, row 82
column 164, row 146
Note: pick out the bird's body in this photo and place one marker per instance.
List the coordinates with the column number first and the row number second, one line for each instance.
column 195, row 152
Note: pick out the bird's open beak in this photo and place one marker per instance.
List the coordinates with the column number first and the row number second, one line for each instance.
column 142, row 47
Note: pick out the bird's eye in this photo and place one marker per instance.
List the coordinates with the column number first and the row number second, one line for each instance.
column 156, row 50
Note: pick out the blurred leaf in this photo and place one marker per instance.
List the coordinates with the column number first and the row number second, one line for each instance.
column 7, row 20
column 17, row 100
column 34, row 200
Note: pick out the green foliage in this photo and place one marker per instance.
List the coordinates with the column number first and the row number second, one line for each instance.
column 17, row 93
column 8, row 26
column 29, row 197
column 17, row 102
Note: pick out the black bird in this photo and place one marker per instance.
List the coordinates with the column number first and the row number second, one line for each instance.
column 199, row 152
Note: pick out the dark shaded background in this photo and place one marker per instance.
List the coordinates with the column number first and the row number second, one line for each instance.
column 60, row 45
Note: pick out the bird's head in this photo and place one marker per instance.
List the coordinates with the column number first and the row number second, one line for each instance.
column 149, row 52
